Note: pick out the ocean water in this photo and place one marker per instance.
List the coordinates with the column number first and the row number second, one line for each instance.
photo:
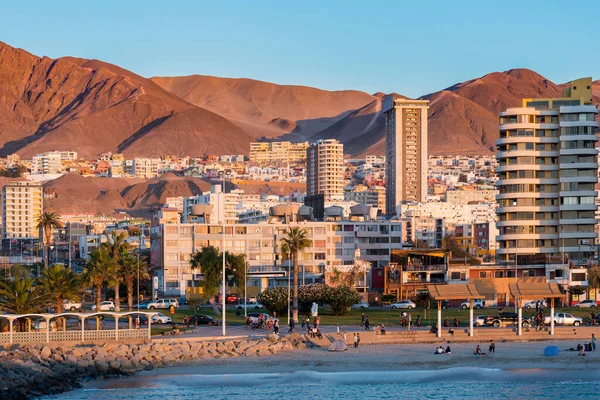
column 449, row 384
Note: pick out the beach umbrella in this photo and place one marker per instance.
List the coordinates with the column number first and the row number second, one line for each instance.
column 338, row 345
column 551, row 351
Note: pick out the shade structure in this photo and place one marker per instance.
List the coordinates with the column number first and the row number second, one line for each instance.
column 338, row 345
column 521, row 290
column 459, row 291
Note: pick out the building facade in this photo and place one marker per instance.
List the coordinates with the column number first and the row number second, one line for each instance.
column 22, row 204
column 547, row 170
column 278, row 151
column 325, row 169
column 406, row 151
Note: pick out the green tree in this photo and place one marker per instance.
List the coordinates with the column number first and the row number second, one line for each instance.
column 341, row 299
column 129, row 270
column 21, row 296
column 115, row 247
column 594, row 277
column 60, row 284
column 47, row 222
column 209, row 261
column 312, row 293
column 97, row 272
column 293, row 244
column 275, row 299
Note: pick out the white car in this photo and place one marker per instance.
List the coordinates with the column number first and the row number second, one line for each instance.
column 561, row 318
column 256, row 306
column 361, row 306
column 160, row 318
column 69, row 305
column 105, row 306
column 403, row 304
column 586, row 304
column 480, row 320
column 477, row 304
column 532, row 304
column 162, row 303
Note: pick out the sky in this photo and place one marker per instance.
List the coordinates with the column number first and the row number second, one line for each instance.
column 408, row 47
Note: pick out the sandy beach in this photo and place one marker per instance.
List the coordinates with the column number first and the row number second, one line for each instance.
column 508, row 356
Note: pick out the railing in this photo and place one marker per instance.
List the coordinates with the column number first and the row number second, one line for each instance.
column 73, row 336
column 430, row 267
column 342, row 332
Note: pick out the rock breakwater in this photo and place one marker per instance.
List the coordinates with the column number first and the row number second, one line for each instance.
column 28, row 371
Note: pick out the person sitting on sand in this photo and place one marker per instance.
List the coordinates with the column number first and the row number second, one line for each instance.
column 448, row 350
column 477, row 351
column 439, row 350
column 451, row 332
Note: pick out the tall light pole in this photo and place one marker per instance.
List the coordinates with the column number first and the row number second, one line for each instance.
column 223, row 290
column 289, row 286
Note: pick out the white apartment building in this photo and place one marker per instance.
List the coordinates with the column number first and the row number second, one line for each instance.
column 471, row 196
column 454, row 214
column 406, row 151
column 325, row 169
column 145, row 167
column 374, row 196
column 333, row 243
column 547, row 172
column 22, row 204
column 278, row 151
column 375, row 160
column 46, row 163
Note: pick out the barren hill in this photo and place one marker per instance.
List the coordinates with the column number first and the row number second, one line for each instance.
column 92, row 107
column 267, row 109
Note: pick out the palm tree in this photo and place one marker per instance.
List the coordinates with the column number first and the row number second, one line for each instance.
column 293, row 244
column 593, row 278
column 129, row 271
column 115, row 247
column 47, row 222
column 60, row 284
column 21, row 296
column 97, row 271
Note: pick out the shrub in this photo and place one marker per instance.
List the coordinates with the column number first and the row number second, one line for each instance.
column 341, row 298
column 313, row 293
column 274, row 299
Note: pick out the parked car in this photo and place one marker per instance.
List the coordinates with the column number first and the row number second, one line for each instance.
column 163, row 303
column 585, row 304
column 532, row 304
column 508, row 318
column 562, row 318
column 232, row 298
column 69, row 305
column 200, row 319
column 256, row 306
column 403, row 304
column 160, row 318
column 143, row 305
column 477, row 304
column 105, row 306
column 361, row 306
column 482, row 320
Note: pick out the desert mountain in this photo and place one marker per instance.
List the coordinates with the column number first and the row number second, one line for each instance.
column 92, row 107
column 266, row 109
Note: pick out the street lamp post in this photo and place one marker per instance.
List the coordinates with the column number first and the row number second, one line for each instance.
column 289, row 287
column 223, row 290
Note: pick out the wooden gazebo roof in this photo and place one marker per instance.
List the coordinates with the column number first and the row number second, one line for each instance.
column 459, row 291
column 535, row 290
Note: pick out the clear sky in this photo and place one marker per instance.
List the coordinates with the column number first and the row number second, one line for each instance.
column 408, row 47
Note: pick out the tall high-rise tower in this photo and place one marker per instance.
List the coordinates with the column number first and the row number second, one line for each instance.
column 547, row 169
column 406, row 151
column 325, row 169
column 22, row 203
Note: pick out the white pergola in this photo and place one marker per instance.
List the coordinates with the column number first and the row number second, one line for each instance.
column 80, row 335
column 547, row 290
column 459, row 291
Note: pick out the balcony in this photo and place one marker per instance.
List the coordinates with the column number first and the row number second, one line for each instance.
column 434, row 267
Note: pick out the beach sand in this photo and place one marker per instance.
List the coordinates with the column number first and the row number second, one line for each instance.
column 508, row 356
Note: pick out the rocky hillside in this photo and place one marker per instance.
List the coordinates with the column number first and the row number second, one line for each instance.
column 92, row 107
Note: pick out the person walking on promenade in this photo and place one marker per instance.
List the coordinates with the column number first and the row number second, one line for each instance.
column 276, row 326
column 456, row 322
column 355, row 340
column 492, row 348
column 418, row 323
column 593, row 342
column 362, row 320
column 367, row 323
column 292, row 325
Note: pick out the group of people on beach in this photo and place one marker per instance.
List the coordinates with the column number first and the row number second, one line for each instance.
column 440, row 350
column 312, row 329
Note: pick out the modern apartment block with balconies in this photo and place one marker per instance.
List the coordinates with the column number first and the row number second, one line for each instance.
column 325, row 169
column 547, row 169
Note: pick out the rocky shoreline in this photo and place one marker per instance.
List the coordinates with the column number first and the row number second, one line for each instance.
column 29, row 371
